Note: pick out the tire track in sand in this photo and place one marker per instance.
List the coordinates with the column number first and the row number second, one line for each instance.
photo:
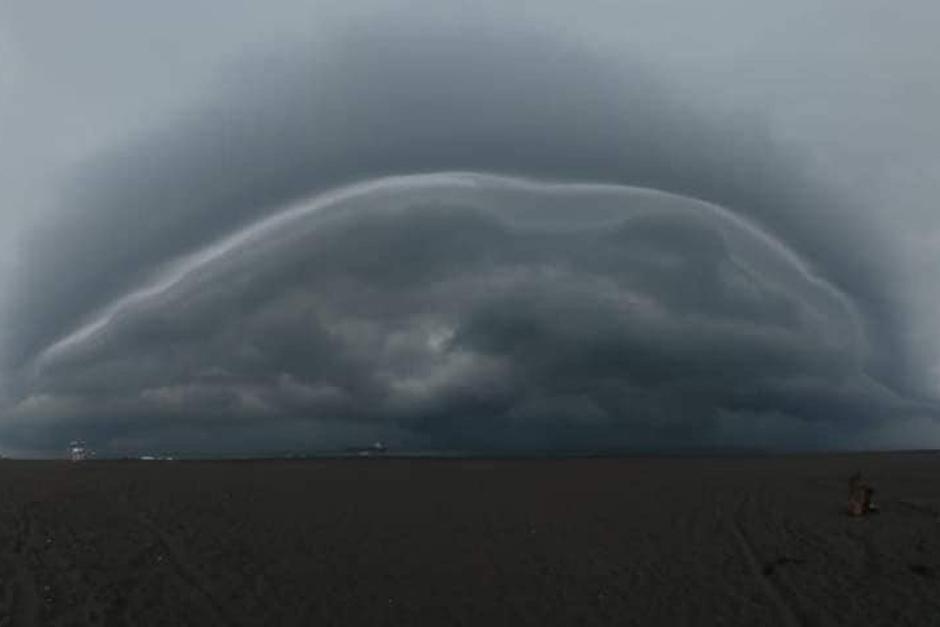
column 786, row 612
column 183, row 567
column 189, row 573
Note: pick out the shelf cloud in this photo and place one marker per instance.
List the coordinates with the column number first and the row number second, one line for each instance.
column 454, row 238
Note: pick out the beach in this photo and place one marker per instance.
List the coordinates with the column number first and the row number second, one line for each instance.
column 686, row 540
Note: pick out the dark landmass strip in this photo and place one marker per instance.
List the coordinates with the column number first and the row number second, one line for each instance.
column 759, row 540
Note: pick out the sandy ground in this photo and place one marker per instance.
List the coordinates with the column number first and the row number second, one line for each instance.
column 682, row 541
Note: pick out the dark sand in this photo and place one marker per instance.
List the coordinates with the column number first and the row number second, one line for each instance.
column 681, row 541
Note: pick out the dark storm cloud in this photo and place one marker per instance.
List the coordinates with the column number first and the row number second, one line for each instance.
column 473, row 312
column 328, row 336
column 380, row 101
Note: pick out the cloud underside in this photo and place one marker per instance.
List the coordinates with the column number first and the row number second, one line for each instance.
column 465, row 311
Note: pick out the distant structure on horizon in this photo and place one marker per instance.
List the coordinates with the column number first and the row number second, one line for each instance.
column 377, row 448
column 78, row 451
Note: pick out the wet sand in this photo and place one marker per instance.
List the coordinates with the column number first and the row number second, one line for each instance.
column 637, row 541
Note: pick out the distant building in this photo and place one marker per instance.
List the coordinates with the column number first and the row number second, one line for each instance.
column 377, row 448
column 78, row 451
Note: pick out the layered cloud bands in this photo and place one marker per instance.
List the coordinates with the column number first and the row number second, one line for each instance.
column 468, row 311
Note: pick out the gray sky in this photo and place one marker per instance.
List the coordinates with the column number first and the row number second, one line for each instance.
column 233, row 227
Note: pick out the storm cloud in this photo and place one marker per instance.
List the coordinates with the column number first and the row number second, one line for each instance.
column 452, row 236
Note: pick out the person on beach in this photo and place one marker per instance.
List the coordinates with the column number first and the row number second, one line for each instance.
column 860, row 496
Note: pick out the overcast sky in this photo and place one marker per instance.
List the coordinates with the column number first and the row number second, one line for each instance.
column 240, row 227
